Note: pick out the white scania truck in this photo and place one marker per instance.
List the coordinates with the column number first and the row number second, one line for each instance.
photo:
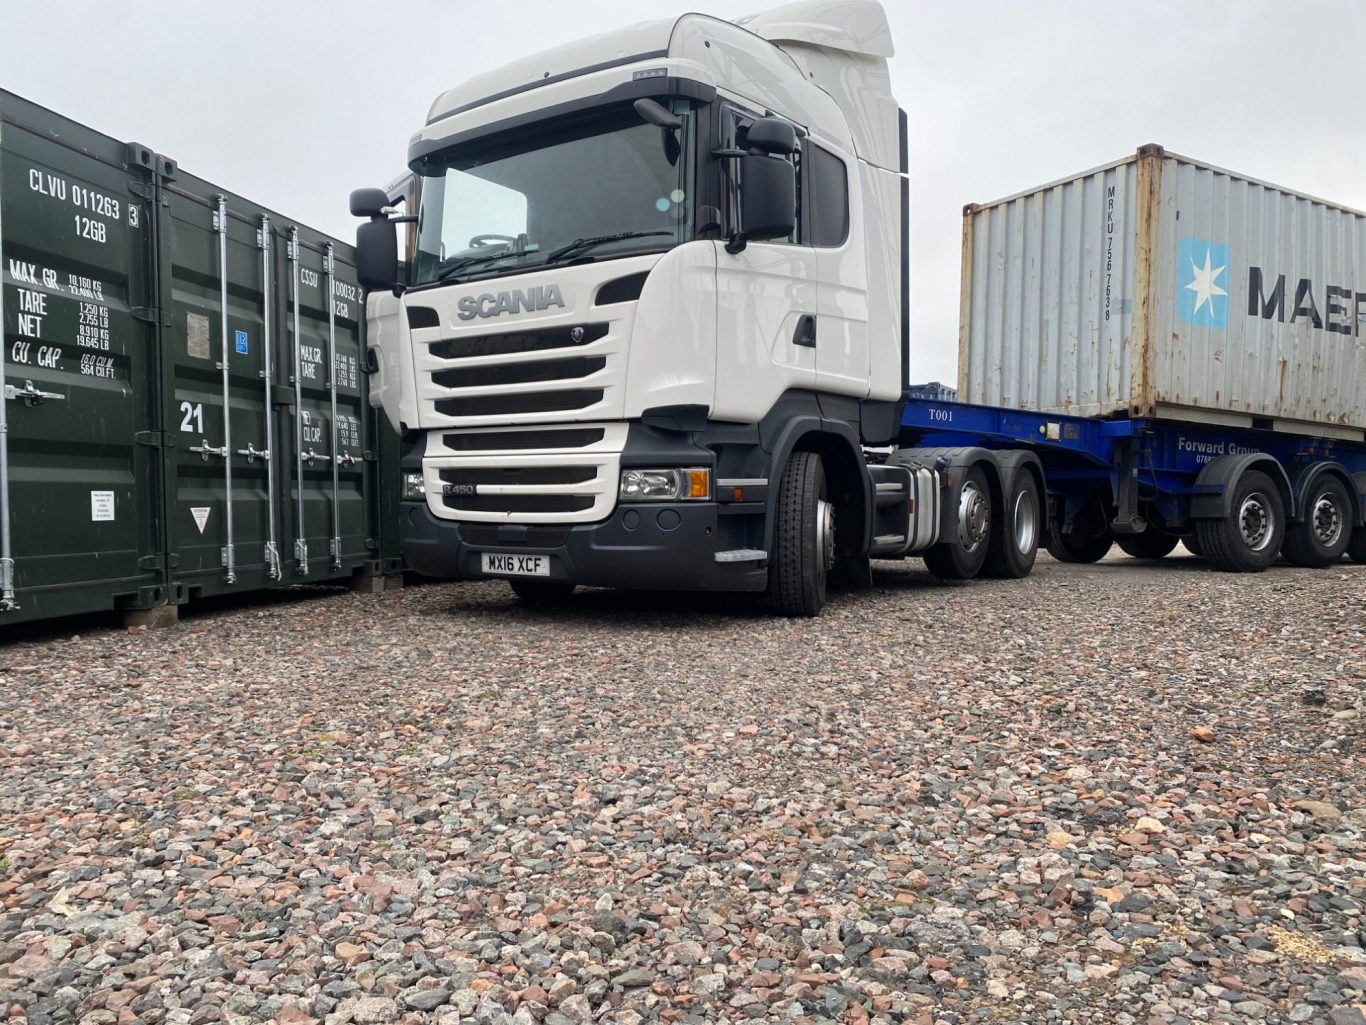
column 653, row 312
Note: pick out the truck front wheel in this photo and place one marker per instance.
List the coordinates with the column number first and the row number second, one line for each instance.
column 961, row 556
column 1323, row 535
column 1248, row 539
column 803, row 538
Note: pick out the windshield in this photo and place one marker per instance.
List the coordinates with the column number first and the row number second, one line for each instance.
column 607, row 185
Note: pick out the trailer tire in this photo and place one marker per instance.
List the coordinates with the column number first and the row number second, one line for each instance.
column 1078, row 547
column 1356, row 548
column 541, row 592
column 1192, row 543
column 1248, row 538
column 1015, row 535
column 803, row 539
column 1151, row 544
column 962, row 556
column 1321, row 538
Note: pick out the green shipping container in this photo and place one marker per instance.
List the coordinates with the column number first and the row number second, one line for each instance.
column 185, row 404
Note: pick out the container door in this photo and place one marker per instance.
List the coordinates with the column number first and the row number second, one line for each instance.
column 79, row 455
column 330, row 510
column 219, row 354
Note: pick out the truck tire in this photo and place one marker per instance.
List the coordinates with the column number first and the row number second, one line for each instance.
column 1322, row 537
column 541, row 592
column 1151, row 544
column 1192, row 544
column 1079, row 547
column 1015, row 536
column 803, row 539
column 1356, row 548
column 1248, row 539
column 962, row 555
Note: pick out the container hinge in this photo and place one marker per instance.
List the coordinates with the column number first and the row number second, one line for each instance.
column 301, row 555
column 227, row 553
column 253, row 453
column 30, row 395
column 273, row 560
column 150, row 315
column 370, row 455
column 152, row 439
column 151, row 562
column 7, row 601
column 205, row 450
column 335, row 548
column 372, row 544
column 347, row 460
column 143, row 190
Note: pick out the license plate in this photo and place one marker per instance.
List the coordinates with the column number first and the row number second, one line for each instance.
column 507, row 564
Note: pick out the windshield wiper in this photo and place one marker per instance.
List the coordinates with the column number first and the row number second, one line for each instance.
column 580, row 244
column 475, row 260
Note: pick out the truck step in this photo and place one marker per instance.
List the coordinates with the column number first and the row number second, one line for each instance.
column 742, row 555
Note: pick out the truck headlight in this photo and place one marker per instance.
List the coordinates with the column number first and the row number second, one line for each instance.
column 666, row 485
column 413, row 488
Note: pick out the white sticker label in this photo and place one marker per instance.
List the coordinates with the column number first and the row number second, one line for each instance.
column 101, row 506
column 201, row 516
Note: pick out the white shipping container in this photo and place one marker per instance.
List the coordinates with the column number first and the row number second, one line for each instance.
column 1160, row 286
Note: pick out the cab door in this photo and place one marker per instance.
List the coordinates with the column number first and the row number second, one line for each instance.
column 767, row 302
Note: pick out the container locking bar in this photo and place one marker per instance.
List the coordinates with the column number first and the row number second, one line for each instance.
column 272, row 552
column 301, row 538
column 330, row 267
column 7, row 600
column 220, row 225
column 205, row 450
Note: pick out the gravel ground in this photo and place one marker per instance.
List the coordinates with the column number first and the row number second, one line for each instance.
column 1109, row 794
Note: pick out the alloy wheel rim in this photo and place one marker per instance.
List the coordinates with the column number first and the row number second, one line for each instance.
column 1256, row 522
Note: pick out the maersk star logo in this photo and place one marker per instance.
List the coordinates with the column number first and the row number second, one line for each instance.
column 1202, row 273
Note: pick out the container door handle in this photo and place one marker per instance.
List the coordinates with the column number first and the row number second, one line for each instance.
column 30, row 395
column 805, row 335
column 204, row 450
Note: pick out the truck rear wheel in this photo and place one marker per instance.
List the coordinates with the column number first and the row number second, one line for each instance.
column 541, row 592
column 1151, row 544
column 962, row 555
column 1322, row 537
column 1015, row 539
column 803, row 539
column 1248, row 539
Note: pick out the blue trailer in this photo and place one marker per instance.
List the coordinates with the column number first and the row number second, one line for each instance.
column 1238, row 497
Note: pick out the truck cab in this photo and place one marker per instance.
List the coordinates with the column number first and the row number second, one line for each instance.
column 653, row 308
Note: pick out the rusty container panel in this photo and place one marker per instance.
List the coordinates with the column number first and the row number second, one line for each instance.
column 1161, row 286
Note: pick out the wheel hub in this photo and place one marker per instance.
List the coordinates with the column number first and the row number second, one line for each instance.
column 1327, row 520
column 1026, row 523
column 825, row 534
column 1256, row 522
column 974, row 516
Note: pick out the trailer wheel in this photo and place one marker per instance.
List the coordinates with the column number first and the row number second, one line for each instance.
column 1326, row 531
column 803, row 538
column 1079, row 547
column 1192, row 543
column 962, row 555
column 1015, row 537
column 1151, row 544
column 541, row 592
column 1248, row 539
column 1356, row 548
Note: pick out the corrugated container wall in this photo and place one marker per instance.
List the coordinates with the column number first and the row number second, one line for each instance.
column 1160, row 286
column 184, row 406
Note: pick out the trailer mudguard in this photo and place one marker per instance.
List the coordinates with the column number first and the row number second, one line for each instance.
column 1310, row 475
column 1359, row 493
column 1211, row 498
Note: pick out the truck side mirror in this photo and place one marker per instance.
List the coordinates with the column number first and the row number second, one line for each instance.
column 377, row 255
column 771, row 135
column 368, row 203
column 768, row 200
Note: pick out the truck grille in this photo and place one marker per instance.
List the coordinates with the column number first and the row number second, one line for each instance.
column 516, row 342
column 544, row 475
column 520, row 402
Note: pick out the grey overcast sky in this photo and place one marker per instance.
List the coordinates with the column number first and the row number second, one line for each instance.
column 295, row 102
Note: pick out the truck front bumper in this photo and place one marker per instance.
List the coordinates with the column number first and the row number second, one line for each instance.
column 650, row 546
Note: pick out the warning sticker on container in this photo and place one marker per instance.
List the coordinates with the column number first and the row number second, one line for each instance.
column 201, row 516
column 197, row 335
column 101, row 506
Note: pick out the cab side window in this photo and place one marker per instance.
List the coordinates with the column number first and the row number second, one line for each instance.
column 827, row 188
